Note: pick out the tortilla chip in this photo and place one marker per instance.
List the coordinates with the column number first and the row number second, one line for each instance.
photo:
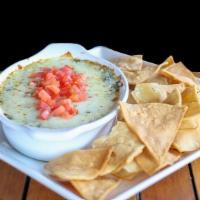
column 187, row 140
column 129, row 171
column 188, row 123
column 79, row 165
column 188, row 135
column 158, row 79
column 130, row 99
column 169, row 88
column 169, row 61
column 148, row 73
column 156, row 124
column 140, row 76
column 148, row 92
column 197, row 74
column 95, row 189
column 193, row 109
column 129, row 63
column 179, row 73
column 174, row 98
column 149, row 64
column 120, row 116
column 125, row 146
column 146, row 162
column 156, row 93
column 150, row 166
column 190, row 95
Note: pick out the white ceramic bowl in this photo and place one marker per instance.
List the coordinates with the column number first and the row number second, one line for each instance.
column 44, row 143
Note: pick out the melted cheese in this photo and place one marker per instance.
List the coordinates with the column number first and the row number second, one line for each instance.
column 19, row 105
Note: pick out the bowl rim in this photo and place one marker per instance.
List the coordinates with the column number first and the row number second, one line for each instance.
column 42, row 132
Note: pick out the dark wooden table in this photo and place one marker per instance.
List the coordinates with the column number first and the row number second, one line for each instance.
column 182, row 185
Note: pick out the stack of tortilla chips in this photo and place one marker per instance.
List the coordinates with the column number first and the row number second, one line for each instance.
column 160, row 122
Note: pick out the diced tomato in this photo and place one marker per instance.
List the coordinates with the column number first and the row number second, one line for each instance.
column 37, row 75
column 67, row 103
column 46, row 69
column 44, row 115
column 56, row 90
column 65, row 91
column 51, row 81
column 59, row 74
column 66, row 69
column 75, row 93
column 43, row 106
column 78, row 98
column 75, row 90
column 66, row 115
column 67, row 79
column 73, row 111
column 52, row 103
column 75, row 97
column 53, row 88
column 83, row 96
column 58, row 111
column 49, row 76
column 44, row 96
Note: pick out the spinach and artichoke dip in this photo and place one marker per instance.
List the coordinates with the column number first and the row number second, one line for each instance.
column 60, row 92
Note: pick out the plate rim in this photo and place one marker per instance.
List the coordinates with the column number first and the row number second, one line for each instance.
column 66, row 193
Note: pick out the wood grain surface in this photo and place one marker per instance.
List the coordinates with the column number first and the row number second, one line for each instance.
column 177, row 186
column 11, row 183
column 196, row 175
column 37, row 191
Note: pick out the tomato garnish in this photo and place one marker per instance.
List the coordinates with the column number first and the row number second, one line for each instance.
column 58, row 111
column 44, row 96
column 44, row 115
column 56, row 89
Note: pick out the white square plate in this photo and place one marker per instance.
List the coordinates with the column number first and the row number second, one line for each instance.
column 34, row 168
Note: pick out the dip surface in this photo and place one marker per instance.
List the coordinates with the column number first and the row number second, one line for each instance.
column 19, row 105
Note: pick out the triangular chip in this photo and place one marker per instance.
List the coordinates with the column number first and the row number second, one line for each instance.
column 150, row 166
column 156, row 124
column 129, row 63
column 180, row 73
column 125, row 146
column 158, row 79
column 174, row 98
column 169, row 61
column 129, row 171
column 140, row 76
column 187, row 140
column 79, row 165
column 95, row 189
column 197, row 74
column 148, row 92
column 190, row 95
column 188, row 135
column 130, row 99
column 193, row 109
column 189, row 123
column 157, row 93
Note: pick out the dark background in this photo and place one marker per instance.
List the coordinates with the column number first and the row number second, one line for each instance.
column 130, row 28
